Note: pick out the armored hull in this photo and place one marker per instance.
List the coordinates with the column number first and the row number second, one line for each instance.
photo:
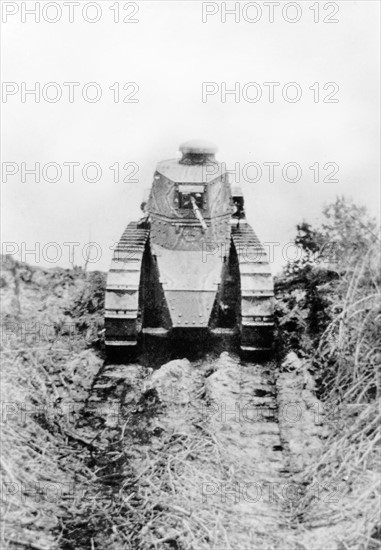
column 192, row 264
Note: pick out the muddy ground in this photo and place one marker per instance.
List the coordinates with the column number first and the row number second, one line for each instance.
column 207, row 453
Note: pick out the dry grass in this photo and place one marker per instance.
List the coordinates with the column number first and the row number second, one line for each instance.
column 34, row 469
column 132, row 490
column 40, row 452
column 348, row 362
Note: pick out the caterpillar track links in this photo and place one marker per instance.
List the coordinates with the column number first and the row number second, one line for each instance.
column 191, row 267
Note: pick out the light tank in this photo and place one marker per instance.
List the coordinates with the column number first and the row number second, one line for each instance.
column 192, row 266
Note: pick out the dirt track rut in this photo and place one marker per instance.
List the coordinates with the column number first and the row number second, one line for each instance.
column 188, row 456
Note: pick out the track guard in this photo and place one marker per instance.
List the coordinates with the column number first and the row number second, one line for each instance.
column 122, row 313
column 257, row 291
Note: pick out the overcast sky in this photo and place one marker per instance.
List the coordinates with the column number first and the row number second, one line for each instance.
column 169, row 53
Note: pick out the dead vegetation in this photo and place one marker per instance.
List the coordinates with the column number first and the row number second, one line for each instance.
column 347, row 363
column 46, row 375
column 99, row 456
column 343, row 351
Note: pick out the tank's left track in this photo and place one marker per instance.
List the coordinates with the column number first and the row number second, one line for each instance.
column 122, row 311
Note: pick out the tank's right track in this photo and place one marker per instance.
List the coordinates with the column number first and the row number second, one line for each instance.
column 122, row 315
column 257, row 290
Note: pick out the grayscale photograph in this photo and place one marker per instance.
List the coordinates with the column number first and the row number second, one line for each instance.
column 190, row 275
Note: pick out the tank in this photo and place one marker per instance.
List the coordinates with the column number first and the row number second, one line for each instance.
column 192, row 265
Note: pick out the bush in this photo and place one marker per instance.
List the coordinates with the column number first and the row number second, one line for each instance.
column 340, row 334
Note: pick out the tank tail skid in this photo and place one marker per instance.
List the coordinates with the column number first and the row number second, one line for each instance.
column 122, row 307
column 256, row 289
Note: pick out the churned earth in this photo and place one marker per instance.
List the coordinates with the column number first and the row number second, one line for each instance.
column 208, row 453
